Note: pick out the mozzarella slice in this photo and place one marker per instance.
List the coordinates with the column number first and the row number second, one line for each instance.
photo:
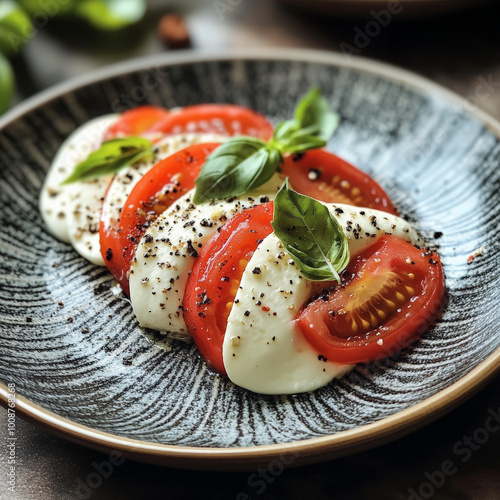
column 263, row 350
column 364, row 226
column 56, row 201
column 83, row 218
column 167, row 250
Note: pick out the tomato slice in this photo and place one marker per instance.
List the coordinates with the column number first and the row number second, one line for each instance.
column 224, row 119
column 216, row 275
column 326, row 177
column 135, row 121
column 395, row 293
column 167, row 181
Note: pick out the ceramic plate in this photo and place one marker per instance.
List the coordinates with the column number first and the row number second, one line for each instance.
column 82, row 367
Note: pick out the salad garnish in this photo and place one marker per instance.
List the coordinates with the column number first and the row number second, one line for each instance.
column 216, row 272
column 310, row 234
column 111, row 157
column 236, row 167
column 244, row 163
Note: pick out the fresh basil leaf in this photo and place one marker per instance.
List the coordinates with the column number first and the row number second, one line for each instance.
column 313, row 111
column 16, row 28
column 111, row 157
column 310, row 234
column 6, row 84
column 111, row 14
column 243, row 164
column 49, row 7
column 285, row 129
column 300, row 142
column 236, row 167
column 311, row 127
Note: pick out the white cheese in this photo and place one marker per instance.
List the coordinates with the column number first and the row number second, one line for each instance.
column 364, row 226
column 83, row 217
column 167, row 250
column 56, row 201
column 263, row 350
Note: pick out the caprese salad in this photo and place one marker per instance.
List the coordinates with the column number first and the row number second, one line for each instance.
column 285, row 264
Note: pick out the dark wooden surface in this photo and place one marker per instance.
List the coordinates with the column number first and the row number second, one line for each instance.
column 460, row 51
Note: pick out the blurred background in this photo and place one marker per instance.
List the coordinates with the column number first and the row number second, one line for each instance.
column 453, row 42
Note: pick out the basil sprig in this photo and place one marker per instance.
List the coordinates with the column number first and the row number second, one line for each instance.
column 111, row 157
column 245, row 163
column 234, row 166
column 311, row 127
column 310, row 234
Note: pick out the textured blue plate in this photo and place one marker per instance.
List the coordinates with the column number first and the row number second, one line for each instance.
column 84, row 368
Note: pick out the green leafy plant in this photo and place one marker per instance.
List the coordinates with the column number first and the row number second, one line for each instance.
column 16, row 26
column 6, row 84
column 111, row 157
column 102, row 14
column 310, row 234
column 245, row 163
column 110, row 14
column 236, row 167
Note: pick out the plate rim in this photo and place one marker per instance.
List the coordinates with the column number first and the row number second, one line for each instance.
column 304, row 451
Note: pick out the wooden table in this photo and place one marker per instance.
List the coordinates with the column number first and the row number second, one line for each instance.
column 459, row 51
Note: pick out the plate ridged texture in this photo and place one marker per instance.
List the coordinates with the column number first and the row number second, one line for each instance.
column 440, row 167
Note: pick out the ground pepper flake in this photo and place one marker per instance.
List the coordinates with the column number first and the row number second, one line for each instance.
column 191, row 250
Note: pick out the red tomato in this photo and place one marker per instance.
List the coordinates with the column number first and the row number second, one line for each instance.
column 167, row 181
column 326, row 177
column 135, row 121
column 216, row 275
column 395, row 293
column 225, row 119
